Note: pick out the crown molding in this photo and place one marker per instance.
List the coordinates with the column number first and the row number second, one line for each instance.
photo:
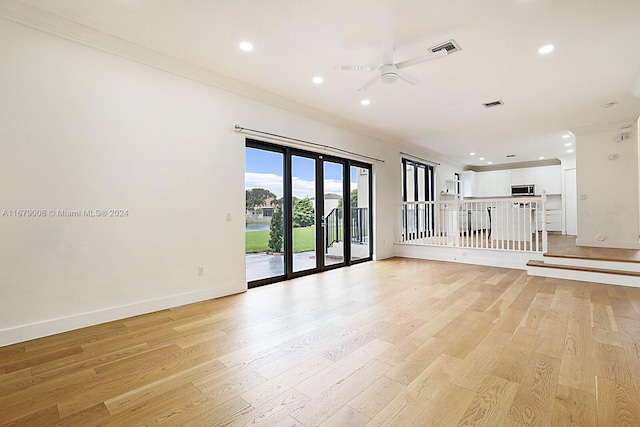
column 609, row 127
column 635, row 90
column 15, row 11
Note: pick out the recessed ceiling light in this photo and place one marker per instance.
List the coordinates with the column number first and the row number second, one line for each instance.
column 568, row 144
column 541, row 158
column 565, row 136
column 246, row 46
column 318, row 80
column 489, row 163
column 546, row 49
column 481, row 158
column 365, row 102
column 569, row 151
column 472, row 154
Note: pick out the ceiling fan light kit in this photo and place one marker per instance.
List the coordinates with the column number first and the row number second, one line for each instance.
column 388, row 74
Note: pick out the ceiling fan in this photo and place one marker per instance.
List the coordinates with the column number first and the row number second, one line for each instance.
column 390, row 72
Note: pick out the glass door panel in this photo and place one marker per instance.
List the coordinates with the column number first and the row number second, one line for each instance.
column 359, row 185
column 333, row 213
column 264, row 219
column 303, row 188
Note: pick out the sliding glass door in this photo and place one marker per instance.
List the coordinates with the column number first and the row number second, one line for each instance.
column 303, row 214
column 333, row 213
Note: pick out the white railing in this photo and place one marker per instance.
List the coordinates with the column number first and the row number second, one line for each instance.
column 511, row 224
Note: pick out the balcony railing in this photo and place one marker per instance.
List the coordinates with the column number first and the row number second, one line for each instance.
column 513, row 224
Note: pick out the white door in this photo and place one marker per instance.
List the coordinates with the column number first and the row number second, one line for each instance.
column 571, row 202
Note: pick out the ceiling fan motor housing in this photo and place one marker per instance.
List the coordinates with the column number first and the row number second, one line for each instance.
column 388, row 73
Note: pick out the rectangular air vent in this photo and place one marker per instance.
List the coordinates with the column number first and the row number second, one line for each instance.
column 493, row 104
column 450, row 46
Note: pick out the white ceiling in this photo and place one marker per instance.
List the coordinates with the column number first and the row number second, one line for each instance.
column 596, row 61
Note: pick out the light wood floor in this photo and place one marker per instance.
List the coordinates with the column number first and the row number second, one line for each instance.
column 391, row 343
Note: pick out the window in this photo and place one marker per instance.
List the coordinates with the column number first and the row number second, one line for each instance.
column 418, row 185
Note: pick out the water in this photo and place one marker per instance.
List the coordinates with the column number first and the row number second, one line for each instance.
column 256, row 227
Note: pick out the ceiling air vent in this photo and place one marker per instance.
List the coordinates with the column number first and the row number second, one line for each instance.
column 450, row 46
column 493, row 104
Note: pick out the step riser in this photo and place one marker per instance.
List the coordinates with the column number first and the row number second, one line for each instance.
column 585, row 276
column 590, row 263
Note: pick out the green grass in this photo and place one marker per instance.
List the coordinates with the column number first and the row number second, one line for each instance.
column 303, row 238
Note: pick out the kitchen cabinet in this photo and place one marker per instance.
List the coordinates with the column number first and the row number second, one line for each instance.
column 548, row 178
column 469, row 188
column 493, row 184
column 523, row 176
column 498, row 183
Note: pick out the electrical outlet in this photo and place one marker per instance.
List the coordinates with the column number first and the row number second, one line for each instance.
column 228, row 216
column 583, row 197
column 200, row 271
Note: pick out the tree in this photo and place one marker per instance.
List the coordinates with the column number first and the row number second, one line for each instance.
column 303, row 213
column 354, row 198
column 276, row 228
column 257, row 197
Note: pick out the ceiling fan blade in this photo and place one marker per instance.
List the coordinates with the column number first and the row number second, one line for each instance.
column 355, row 68
column 408, row 78
column 368, row 84
column 420, row 59
column 387, row 51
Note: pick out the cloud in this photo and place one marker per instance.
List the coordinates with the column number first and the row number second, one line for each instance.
column 270, row 181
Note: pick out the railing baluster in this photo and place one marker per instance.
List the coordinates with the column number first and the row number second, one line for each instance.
column 495, row 224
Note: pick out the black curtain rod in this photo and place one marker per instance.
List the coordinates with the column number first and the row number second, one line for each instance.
column 420, row 158
column 240, row 129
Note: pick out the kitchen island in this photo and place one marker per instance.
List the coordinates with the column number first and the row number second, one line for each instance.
column 513, row 221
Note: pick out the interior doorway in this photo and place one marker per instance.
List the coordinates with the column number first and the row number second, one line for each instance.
column 571, row 202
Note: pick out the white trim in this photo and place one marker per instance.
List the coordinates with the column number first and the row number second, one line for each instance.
column 64, row 324
column 635, row 89
column 594, row 263
column 490, row 257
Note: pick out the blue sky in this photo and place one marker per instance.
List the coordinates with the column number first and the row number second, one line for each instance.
column 264, row 169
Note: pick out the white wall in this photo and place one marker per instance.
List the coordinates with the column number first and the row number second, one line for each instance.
column 84, row 129
column 607, row 190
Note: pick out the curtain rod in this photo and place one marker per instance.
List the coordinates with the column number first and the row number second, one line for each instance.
column 420, row 158
column 240, row 129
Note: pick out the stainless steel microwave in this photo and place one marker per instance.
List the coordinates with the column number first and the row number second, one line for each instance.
column 523, row 190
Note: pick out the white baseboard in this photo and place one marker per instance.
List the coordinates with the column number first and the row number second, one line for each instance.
column 617, row 244
column 55, row 326
column 494, row 258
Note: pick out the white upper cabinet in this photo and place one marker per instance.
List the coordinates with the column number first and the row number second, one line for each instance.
column 548, row 178
column 493, row 183
column 469, row 188
column 498, row 183
column 523, row 176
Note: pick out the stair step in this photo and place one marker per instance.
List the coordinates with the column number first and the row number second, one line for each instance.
column 584, row 274
column 594, row 263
